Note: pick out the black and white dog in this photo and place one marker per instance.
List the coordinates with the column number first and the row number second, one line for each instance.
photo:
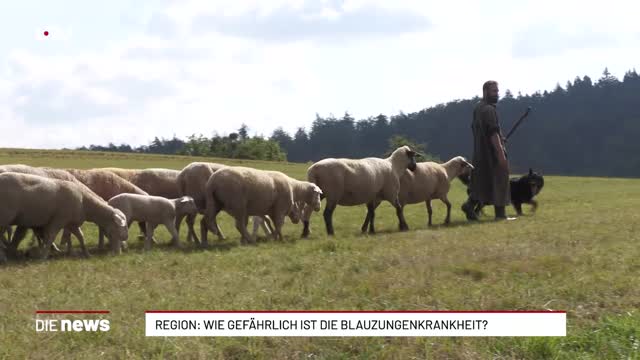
column 523, row 190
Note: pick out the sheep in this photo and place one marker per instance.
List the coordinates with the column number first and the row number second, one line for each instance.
column 19, row 234
column 156, row 182
column 429, row 181
column 244, row 192
column 106, row 184
column 350, row 182
column 51, row 204
column 154, row 210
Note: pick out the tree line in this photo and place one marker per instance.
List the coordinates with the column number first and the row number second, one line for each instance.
column 586, row 128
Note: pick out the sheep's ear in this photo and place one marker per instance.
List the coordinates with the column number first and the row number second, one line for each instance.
column 468, row 164
column 184, row 199
column 121, row 220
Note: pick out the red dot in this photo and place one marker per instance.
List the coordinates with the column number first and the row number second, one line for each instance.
column 46, row 33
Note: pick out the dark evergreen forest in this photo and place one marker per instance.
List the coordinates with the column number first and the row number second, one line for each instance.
column 586, row 128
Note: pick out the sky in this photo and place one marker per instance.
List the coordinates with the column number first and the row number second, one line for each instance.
column 127, row 71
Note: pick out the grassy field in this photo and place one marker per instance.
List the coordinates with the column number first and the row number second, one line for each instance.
column 580, row 253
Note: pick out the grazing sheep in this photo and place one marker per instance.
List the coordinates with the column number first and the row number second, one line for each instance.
column 429, row 181
column 18, row 236
column 244, row 192
column 154, row 210
column 350, row 182
column 106, row 185
column 192, row 180
column 51, row 204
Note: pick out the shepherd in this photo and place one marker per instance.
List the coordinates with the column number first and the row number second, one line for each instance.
column 490, row 179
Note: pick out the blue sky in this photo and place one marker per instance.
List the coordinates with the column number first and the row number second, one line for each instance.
column 124, row 71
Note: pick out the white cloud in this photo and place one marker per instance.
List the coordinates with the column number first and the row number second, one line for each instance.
column 199, row 66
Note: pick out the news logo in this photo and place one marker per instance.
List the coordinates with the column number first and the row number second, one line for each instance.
column 68, row 321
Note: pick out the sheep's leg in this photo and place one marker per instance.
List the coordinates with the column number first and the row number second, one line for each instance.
column 268, row 227
column 175, row 237
column 50, row 232
column 278, row 223
column 9, row 233
column 367, row 218
column 328, row 216
column 447, row 220
column 241, row 225
column 178, row 222
column 534, row 205
column 148, row 239
column 191, row 232
column 77, row 232
column 3, row 257
column 143, row 230
column 372, row 229
column 66, row 240
column 257, row 223
column 101, row 238
column 429, row 211
column 18, row 235
column 3, row 239
column 402, row 223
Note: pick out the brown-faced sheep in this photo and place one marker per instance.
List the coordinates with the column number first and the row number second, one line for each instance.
column 429, row 181
column 244, row 192
column 350, row 182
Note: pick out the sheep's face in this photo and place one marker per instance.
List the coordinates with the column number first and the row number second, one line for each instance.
column 464, row 166
column 186, row 205
column 411, row 155
column 117, row 231
column 316, row 198
column 295, row 213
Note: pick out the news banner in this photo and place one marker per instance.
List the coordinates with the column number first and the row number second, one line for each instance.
column 310, row 323
column 354, row 323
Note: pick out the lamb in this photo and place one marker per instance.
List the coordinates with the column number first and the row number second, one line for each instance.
column 351, row 182
column 244, row 192
column 51, row 204
column 154, row 210
column 106, row 185
column 429, row 181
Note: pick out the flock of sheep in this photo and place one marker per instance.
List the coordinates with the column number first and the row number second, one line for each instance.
column 48, row 200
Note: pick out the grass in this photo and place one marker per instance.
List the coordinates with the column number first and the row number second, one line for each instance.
column 579, row 253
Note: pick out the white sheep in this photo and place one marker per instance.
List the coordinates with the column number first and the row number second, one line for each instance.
column 51, row 204
column 107, row 185
column 350, row 182
column 16, row 237
column 429, row 181
column 192, row 180
column 154, row 210
column 244, row 192
column 155, row 181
